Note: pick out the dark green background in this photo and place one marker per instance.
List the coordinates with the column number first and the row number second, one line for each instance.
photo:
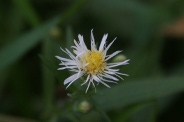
column 32, row 32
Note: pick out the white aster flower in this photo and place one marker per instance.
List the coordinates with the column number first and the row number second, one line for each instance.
column 91, row 63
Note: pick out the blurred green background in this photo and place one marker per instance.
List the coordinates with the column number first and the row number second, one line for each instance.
column 150, row 33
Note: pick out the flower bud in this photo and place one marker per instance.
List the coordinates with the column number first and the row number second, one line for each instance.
column 55, row 32
column 119, row 58
column 84, row 106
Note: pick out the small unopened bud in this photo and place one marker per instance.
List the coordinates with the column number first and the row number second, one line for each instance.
column 119, row 58
column 84, row 106
column 55, row 32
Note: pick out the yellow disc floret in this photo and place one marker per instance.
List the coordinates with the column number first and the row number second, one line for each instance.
column 95, row 61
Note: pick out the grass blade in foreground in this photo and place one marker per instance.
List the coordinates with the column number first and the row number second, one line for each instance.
column 137, row 91
column 19, row 47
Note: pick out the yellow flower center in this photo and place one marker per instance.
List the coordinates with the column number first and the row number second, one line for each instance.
column 95, row 62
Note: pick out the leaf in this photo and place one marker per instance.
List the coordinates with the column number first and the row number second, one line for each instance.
column 137, row 91
column 28, row 11
column 128, row 112
column 14, row 51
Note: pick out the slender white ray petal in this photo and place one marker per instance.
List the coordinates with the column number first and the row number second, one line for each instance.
column 119, row 76
column 68, row 63
column 78, row 55
column 63, row 59
column 107, row 48
column 88, row 85
column 70, row 54
column 62, row 68
column 125, row 62
column 74, row 47
column 73, row 70
column 74, row 79
column 110, row 81
column 105, row 84
column 100, row 81
column 96, row 78
column 122, row 74
column 76, row 44
column 82, row 44
column 63, row 50
column 71, row 78
column 103, row 42
column 110, row 77
column 118, row 64
column 108, row 72
column 86, row 80
column 112, row 70
column 93, row 46
column 112, row 55
column 94, row 86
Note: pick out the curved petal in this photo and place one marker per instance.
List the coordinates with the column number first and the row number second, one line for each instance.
column 69, row 79
column 112, row 55
column 102, row 44
column 93, row 46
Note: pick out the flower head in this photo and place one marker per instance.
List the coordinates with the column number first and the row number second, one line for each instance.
column 91, row 63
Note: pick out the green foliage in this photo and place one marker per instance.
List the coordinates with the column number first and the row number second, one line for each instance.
column 14, row 51
column 139, row 91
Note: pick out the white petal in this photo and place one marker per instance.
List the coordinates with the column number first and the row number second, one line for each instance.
column 74, row 70
column 112, row 55
column 94, row 86
column 119, row 77
column 58, row 57
column 117, row 64
column 86, row 80
column 68, row 67
column 110, row 77
column 78, row 55
column 69, row 79
column 83, row 45
column 76, row 45
column 107, row 80
column 106, row 49
column 68, row 63
column 70, row 54
column 122, row 74
column 112, row 70
column 93, row 46
column 62, row 68
column 109, row 72
column 88, row 85
column 65, row 60
column 96, row 78
column 105, row 84
column 103, row 42
column 77, row 75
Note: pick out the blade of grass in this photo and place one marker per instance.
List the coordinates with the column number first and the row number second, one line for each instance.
column 48, row 51
column 128, row 112
column 28, row 11
column 48, row 80
column 72, row 9
column 138, row 91
column 14, row 51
